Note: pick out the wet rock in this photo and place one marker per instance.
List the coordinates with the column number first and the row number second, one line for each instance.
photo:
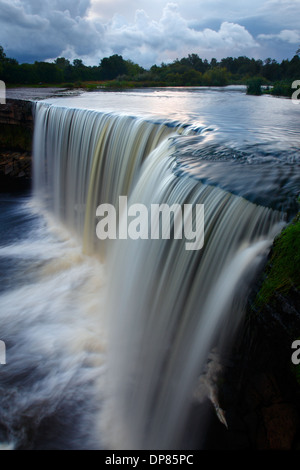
column 16, row 125
column 16, row 132
column 15, row 171
column 281, row 423
column 17, row 112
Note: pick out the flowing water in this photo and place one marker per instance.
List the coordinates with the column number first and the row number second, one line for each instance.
column 108, row 341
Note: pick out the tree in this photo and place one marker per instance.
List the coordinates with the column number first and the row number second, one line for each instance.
column 77, row 63
column 27, row 74
column 271, row 70
column 48, row 73
column 2, row 55
column 194, row 61
column 62, row 63
column 228, row 64
column 192, row 78
column 113, row 66
column 66, row 68
column 213, row 63
column 215, row 77
column 133, row 69
column 254, row 86
column 293, row 70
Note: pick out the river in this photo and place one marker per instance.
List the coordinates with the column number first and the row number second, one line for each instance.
column 107, row 343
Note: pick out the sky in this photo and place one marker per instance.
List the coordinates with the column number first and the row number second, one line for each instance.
column 149, row 32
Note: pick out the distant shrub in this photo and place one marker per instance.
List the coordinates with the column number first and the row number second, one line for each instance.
column 215, row 77
column 70, row 86
column 254, row 86
column 282, row 89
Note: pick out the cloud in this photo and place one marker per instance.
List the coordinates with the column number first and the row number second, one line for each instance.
column 173, row 36
column 40, row 37
column 281, row 12
column 287, row 35
column 13, row 13
column 145, row 32
column 73, row 7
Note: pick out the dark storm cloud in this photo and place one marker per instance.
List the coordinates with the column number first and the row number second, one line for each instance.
column 57, row 27
column 15, row 15
column 148, row 32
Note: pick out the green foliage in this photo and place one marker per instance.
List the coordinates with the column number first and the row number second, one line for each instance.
column 215, row 77
column 62, row 63
column 283, row 88
column 193, row 61
column 254, row 86
column 15, row 137
column 188, row 71
column 70, row 86
column 192, row 78
column 133, row 69
column 48, row 73
column 113, row 66
column 2, row 54
column 283, row 270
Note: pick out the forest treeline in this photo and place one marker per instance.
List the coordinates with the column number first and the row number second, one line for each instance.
column 188, row 71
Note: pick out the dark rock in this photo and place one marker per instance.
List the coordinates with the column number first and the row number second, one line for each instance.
column 15, row 171
column 280, row 422
column 16, row 132
column 16, row 125
column 262, row 383
column 17, row 112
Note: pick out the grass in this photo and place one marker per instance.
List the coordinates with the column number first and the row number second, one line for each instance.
column 283, row 269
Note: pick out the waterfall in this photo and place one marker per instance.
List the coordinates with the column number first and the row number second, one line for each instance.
column 167, row 307
column 83, row 158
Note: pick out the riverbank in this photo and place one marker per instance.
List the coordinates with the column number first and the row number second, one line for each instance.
column 261, row 388
column 16, row 135
column 15, row 170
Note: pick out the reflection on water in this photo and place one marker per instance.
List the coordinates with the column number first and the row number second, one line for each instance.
column 246, row 119
column 258, row 173
column 257, row 137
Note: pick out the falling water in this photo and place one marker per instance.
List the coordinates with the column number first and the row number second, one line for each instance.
column 83, row 158
column 175, row 306
column 166, row 307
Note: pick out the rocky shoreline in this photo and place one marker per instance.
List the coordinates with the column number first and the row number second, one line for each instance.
column 260, row 389
column 15, row 170
column 16, row 135
column 16, row 132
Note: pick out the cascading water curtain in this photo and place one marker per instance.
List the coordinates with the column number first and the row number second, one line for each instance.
column 167, row 307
